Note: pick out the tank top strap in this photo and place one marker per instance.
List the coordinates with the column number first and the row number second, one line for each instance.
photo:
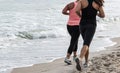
column 75, row 4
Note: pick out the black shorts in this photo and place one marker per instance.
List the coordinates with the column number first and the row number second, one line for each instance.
column 87, row 30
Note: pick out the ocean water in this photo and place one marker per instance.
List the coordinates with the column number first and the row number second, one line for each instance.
column 34, row 31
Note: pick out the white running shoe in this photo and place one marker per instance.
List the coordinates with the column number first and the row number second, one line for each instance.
column 86, row 65
column 68, row 61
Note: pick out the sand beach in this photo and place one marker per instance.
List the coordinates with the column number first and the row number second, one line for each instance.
column 106, row 61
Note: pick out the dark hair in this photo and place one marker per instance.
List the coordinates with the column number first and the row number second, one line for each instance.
column 99, row 2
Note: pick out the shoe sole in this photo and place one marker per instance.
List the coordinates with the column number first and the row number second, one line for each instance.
column 67, row 63
column 78, row 67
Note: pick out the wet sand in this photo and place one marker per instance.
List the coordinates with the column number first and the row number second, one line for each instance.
column 106, row 61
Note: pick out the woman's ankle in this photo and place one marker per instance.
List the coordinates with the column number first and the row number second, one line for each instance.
column 86, row 62
column 68, row 56
column 74, row 55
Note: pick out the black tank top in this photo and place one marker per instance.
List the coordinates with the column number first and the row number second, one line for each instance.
column 89, row 13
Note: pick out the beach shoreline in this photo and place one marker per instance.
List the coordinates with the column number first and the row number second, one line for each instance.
column 96, row 59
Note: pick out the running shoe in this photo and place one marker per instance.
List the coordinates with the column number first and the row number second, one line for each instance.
column 78, row 64
column 86, row 65
column 74, row 57
column 67, row 61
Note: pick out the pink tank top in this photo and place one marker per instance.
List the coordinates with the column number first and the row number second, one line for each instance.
column 74, row 19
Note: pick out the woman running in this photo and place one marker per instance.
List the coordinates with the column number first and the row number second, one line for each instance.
column 88, row 10
column 73, row 29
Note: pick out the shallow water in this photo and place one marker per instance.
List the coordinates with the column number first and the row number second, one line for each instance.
column 34, row 31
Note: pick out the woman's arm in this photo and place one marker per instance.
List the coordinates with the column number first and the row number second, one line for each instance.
column 65, row 9
column 78, row 9
column 101, row 12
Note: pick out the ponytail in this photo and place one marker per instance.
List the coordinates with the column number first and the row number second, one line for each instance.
column 99, row 2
